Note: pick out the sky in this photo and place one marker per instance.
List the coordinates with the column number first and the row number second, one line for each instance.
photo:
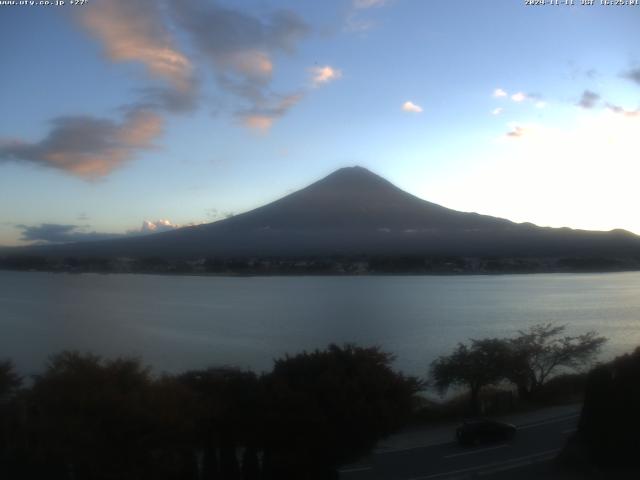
column 129, row 117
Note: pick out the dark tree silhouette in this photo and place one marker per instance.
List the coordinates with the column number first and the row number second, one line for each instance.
column 87, row 418
column 542, row 351
column 228, row 418
column 610, row 418
column 482, row 363
column 10, row 381
column 96, row 419
column 329, row 407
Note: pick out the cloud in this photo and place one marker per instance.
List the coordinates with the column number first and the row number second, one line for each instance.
column 324, row 74
column 86, row 146
column 135, row 30
column 167, row 99
column 262, row 116
column 215, row 214
column 517, row 131
column 48, row 233
column 621, row 111
column 519, row 97
column 138, row 31
column 497, row 111
column 633, row 75
column 157, row 226
column 411, row 107
column 91, row 147
column 356, row 20
column 57, row 233
column 240, row 46
column 364, row 4
column 589, row 99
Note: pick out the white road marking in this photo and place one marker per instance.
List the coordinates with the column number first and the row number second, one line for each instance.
column 514, row 463
column 524, row 427
column 546, row 422
column 479, row 450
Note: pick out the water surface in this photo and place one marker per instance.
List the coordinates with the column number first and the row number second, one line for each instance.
column 180, row 322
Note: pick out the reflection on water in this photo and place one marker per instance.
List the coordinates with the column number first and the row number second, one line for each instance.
column 180, row 322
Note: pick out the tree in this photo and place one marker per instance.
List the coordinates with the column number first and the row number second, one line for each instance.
column 328, row 407
column 610, row 418
column 9, row 379
column 542, row 350
column 482, row 363
column 230, row 408
column 104, row 419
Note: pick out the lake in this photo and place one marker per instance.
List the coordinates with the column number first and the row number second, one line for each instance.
column 181, row 322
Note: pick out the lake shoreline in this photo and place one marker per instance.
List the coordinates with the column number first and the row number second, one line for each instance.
column 336, row 265
column 323, row 274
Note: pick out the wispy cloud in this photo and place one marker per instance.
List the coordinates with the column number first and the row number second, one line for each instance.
column 262, row 116
column 588, row 99
column 621, row 111
column 363, row 4
column 497, row 111
column 326, row 74
column 518, row 97
column 86, row 146
column 240, row 47
column 409, row 106
column 498, row 93
column 167, row 99
column 53, row 233
column 135, row 31
column 358, row 19
column 58, row 233
column 633, row 75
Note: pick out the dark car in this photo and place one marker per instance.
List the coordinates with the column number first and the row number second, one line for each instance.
column 481, row 430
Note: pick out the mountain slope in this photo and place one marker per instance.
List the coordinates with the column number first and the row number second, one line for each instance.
column 354, row 211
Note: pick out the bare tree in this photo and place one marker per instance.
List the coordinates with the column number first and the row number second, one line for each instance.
column 542, row 351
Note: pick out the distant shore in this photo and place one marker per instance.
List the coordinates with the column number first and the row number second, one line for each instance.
column 324, row 266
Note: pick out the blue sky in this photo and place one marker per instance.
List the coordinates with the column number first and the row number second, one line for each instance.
column 118, row 113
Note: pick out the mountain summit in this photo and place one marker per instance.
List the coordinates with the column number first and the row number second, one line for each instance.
column 354, row 198
column 353, row 211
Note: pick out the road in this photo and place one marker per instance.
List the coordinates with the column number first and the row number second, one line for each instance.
column 534, row 442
